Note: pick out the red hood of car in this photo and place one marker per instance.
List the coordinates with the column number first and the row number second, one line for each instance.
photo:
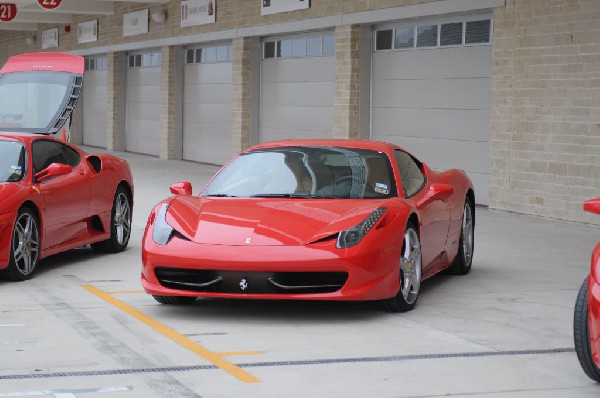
column 264, row 222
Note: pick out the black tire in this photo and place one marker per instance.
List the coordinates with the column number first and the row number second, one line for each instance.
column 400, row 302
column 120, row 224
column 24, row 247
column 466, row 246
column 581, row 334
column 175, row 300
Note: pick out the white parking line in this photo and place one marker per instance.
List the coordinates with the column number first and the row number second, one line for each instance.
column 62, row 393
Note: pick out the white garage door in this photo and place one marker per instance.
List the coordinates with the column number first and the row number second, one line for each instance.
column 143, row 103
column 297, row 87
column 431, row 93
column 94, row 101
column 207, row 104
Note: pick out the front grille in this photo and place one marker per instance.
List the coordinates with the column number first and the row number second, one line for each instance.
column 242, row 282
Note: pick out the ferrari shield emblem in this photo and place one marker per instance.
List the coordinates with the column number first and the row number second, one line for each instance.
column 248, row 240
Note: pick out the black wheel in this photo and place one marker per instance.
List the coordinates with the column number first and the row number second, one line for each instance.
column 24, row 247
column 464, row 257
column 175, row 300
column 581, row 334
column 410, row 274
column 120, row 224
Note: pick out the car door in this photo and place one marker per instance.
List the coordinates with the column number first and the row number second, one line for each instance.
column 66, row 197
column 434, row 216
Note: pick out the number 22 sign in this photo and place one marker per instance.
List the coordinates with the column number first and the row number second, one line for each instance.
column 8, row 12
column 49, row 4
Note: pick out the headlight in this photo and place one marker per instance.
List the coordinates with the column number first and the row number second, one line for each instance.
column 352, row 236
column 162, row 232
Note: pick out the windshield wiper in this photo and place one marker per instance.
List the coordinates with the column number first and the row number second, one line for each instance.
column 219, row 195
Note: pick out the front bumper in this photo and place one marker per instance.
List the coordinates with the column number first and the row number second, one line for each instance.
column 311, row 272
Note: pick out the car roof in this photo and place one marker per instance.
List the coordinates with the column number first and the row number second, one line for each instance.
column 350, row 143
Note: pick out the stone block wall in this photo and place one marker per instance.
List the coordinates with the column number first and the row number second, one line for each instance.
column 545, row 144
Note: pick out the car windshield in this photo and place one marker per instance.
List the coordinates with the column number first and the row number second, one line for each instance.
column 30, row 101
column 299, row 172
column 12, row 161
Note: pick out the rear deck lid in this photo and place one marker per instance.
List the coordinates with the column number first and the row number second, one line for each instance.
column 38, row 91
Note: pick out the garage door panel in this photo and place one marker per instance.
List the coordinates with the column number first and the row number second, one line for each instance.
column 143, row 143
column 310, row 118
column 310, row 69
column 143, row 94
column 146, row 111
column 209, row 115
column 218, row 93
column 273, row 134
column 94, row 108
column 437, row 123
column 433, row 93
column 298, row 94
column 143, row 77
column 442, row 154
column 208, row 73
column 451, row 62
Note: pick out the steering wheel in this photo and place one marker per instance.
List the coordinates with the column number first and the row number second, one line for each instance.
column 349, row 180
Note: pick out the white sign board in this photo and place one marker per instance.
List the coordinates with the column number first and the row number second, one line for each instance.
column 87, row 31
column 135, row 23
column 269, row 7
column 50, row 38
column 198, row 12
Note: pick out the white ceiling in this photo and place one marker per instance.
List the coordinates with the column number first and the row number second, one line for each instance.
column 30, row 14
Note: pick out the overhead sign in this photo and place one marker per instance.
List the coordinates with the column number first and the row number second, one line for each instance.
column 49, row 4
column 135, row 23
column 50, row 38
column 198, row 12
column 268, row 7
column 8, row 12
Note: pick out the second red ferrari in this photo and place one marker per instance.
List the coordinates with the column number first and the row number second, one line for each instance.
column 311, row 220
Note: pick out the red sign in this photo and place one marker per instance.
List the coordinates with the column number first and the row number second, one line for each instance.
column 8, row 12
column 49, row 4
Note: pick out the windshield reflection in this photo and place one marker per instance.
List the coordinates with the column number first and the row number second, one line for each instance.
column 12, row 161
column 305, row 172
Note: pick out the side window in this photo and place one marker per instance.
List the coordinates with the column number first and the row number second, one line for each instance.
column 45, row 152
column 410, row 173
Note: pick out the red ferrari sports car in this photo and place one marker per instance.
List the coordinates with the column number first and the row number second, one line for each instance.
column 312, row 220
column 586, row 321
column 54, row 196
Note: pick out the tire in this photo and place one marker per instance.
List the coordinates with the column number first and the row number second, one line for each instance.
column 175, row 300
column 581, row 334
column 410, row 274
column 464, row 257
column 120, row 224
column 24, row 247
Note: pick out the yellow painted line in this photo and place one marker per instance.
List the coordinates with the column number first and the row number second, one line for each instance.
column 125, row 292
column 226, row 354
column 183, row 341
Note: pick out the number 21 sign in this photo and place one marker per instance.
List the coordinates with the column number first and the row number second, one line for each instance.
column 8, row 12
column 49, row 4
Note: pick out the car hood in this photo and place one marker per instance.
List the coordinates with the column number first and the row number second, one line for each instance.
column 264, row 222
column 40, row 91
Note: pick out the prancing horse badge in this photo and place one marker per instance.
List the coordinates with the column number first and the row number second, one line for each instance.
column 248, row 240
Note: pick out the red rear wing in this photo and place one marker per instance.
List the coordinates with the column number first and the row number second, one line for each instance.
column 51, row 62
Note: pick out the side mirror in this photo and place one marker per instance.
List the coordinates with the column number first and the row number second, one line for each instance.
column 54, row 170
column 436, row 192
column 181, row 188
column 592, row 205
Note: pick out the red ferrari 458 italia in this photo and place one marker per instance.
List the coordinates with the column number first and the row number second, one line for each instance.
column 312, row 220
column 53, row 196
column 586, row 322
